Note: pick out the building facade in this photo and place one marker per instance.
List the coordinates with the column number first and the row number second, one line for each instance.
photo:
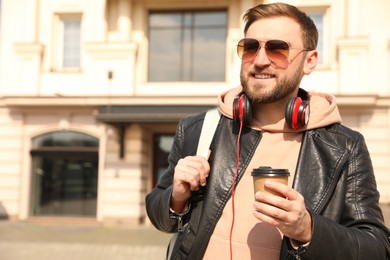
column 91, row 92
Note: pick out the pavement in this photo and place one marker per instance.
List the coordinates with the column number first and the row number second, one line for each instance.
column 20, row 240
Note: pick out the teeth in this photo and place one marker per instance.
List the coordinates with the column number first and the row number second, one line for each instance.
column 263, row 76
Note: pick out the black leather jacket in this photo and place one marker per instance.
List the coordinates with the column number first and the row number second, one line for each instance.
column 334, row 174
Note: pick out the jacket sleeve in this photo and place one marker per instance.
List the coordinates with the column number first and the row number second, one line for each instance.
column 158, row 200
column 358, row 230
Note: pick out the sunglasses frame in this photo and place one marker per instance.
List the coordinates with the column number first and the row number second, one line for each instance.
column 268, row 51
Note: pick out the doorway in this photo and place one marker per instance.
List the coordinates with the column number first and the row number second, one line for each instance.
column 162, row 144
column 64, row 175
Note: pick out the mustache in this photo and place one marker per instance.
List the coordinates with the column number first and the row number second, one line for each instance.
column 258, row 70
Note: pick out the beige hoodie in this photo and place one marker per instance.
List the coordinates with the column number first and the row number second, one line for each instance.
column 279, row 148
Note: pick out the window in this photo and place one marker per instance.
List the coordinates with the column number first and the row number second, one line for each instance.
column 67, row 42
column 187, row 46
column 318, row 18
column 71, row 42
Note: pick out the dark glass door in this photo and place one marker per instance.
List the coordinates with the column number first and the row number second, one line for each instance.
column 161, row 148
column 64, row 179
column 65, row 184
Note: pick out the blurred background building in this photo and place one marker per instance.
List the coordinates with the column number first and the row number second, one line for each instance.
column 91, row 92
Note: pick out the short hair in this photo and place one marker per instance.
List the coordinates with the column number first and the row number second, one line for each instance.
column 261, row 11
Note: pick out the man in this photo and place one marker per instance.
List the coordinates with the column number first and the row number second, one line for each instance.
column 328, row 210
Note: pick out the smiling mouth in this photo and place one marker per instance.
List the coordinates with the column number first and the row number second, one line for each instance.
column 263, row 76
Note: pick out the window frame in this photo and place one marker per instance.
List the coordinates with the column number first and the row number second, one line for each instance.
column 323, row 35
column 184, row 12
column 57, row 63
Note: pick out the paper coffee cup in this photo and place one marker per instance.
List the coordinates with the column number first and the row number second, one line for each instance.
column 263, row 173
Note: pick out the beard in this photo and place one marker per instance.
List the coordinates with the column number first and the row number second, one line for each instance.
column 283, row 88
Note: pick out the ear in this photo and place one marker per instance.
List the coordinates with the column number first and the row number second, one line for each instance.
column 311, row 61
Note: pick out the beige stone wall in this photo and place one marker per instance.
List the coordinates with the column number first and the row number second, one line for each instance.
column 11, row 158
column 374, row 124
column 125, row 180
column 18, row 128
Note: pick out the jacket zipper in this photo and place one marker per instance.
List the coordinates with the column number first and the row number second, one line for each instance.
column 179, row 217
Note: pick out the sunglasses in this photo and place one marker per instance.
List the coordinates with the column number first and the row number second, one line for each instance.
column 277, row 51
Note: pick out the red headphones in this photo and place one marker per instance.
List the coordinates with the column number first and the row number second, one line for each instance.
column 296, row 113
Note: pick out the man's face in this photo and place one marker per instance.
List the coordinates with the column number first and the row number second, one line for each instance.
column 265, row 80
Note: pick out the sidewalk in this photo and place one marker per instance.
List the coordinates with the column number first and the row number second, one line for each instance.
column 47, row 241
column 33, row 241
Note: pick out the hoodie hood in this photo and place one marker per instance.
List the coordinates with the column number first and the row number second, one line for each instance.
column 323, row 111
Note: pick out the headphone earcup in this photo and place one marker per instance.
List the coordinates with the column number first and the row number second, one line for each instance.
column 236, row 111
column 303, row 113
column 297, row 113
column 289, row 111
column 247, row 113
column 242, row 110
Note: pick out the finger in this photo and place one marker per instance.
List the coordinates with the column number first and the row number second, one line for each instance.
column 282, row 189
column 198, row 171
column 191, row 179
column 264, row 218
column 272, row 200
column 189, row 176
column 208, row 155
column 205, row 174
column 193, row 165
column 198, row 164
column 202, row 166
column 184, row 174
column 270, row 205
column 286, row 191
column 297, row 226
column 269, row 214
column 187, row 166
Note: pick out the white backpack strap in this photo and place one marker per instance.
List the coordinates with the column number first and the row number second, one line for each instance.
column 210, row 124
column 208, row 129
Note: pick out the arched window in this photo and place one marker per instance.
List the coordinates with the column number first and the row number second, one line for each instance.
column 64, row 174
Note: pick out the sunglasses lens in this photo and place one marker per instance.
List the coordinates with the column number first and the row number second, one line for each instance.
column 247, row 48
column 277, row 50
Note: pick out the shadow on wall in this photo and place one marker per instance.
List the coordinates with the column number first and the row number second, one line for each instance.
column 3, row 212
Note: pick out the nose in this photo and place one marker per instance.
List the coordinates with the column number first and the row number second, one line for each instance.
column 261, row 58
